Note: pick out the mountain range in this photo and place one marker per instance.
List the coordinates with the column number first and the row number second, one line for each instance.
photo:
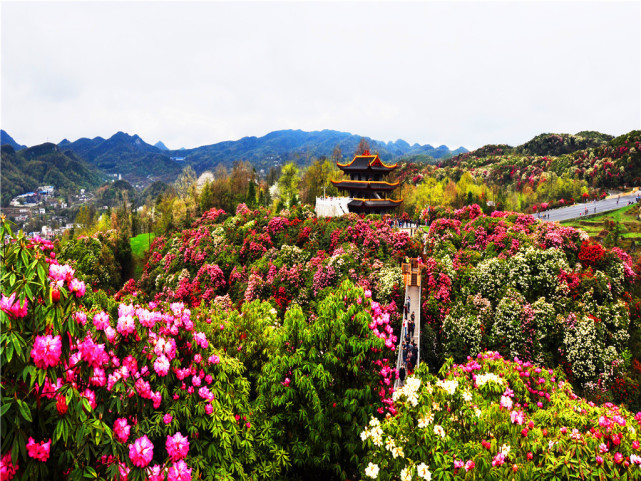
column 136, row 160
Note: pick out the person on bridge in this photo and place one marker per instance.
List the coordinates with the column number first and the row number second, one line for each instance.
column 411, row 325
column 407, row 306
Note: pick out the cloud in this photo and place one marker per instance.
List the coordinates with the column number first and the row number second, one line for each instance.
column 455, row 73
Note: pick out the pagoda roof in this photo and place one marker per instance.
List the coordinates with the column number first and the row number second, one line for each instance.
column 366, row 163
column 373, row 204
column 370, row 185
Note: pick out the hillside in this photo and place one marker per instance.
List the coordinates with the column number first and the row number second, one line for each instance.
column 601, row 160
column 25, row 170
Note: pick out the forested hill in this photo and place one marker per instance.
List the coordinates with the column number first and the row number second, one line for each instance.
column 25, row 170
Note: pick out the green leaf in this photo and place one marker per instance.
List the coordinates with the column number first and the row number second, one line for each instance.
column 24, row 410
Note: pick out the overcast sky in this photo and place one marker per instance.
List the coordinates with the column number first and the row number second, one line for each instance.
column 190, row 74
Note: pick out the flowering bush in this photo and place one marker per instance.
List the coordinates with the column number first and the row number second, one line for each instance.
column 97, row 392
column 535, row 290
column 490, row 418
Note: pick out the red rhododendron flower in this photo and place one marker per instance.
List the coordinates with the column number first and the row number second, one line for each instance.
column 39, row 451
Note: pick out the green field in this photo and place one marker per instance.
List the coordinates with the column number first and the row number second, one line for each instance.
column 599, row 226
column 139, row 245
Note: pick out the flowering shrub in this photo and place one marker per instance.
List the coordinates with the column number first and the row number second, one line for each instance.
column 490, row 418
column 534, row 290
column 97, row 392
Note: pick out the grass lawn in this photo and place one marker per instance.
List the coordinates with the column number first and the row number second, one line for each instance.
column 139, row 245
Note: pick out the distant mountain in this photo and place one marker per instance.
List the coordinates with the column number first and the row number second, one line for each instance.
column 137, row 160
column 299, row 146
column 27, row 169
column 127, row 155
column 6, row 139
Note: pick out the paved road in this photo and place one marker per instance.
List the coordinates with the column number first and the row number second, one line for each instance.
column 577, row 211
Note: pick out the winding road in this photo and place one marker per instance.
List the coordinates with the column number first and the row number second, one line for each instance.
column 577, row 211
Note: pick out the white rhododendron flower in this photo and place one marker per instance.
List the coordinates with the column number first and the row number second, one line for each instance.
column 438, row 429
column 406, row 474
column 489, row 377
column 372, row 470
column 449, row 386
column 423, row 471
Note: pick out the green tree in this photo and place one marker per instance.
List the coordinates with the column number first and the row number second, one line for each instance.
column 288, row 183
column 321, row 387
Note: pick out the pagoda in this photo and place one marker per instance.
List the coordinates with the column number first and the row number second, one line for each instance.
column 366, row 187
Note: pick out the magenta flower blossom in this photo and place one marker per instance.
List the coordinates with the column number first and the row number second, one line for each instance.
column 141, row 451
column 161, row 365
column 39, row 451
column 110, row 332
column 61, row 273
column 122, row 429
column 469, row 465
column 101, row 321
column 156, row 473
column 177, row 446
column 214, row 359
column 498, row 460
column 46, row 351
column 13, row 309
column 125, row 325
column 77, row 287
column 179, row 472
column 167, row 418
column 7, row 468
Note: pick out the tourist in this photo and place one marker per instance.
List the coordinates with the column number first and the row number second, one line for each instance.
column 407, row 306
column 401, row 374
column 412, row 325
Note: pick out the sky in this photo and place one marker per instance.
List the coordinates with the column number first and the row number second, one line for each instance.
column 196, row 73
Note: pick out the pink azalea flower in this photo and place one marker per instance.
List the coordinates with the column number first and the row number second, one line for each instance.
column 167, row 418
column 177, row 446
column 121, row 430
column 141, row 451
column 125, row 325
column 498, row 460
column 46, row 351
column 39, row 451
column 110, row 332
column 7, row 468
column 155, row 473
column 179, row 472
column 101, row 321
column 161, row 365
column 469, row 465
column 77, row 287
